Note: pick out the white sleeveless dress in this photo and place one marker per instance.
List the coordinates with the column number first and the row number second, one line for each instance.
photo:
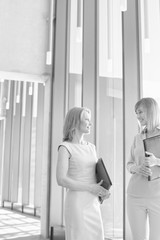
column 82, row 209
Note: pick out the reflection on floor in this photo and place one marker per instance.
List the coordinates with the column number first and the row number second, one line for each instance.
column 15, row 225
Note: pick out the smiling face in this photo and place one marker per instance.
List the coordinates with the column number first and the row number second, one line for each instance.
column 85, row 124
column 141, row 115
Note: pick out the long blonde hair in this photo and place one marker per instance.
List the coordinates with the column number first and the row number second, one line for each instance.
column 152, row 112
column 72, row 121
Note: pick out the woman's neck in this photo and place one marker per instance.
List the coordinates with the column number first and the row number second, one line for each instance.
column 78, row 139
column 153, row 132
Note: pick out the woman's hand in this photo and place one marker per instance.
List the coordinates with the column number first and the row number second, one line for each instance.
column 107, row 195
column 151, row 160
column 99, row 191
column 144, row 169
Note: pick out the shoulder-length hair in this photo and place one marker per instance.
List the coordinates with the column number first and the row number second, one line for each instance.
column 152, row 112
column 72, row 122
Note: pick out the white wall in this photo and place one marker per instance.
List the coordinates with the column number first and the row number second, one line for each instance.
column 24, row 27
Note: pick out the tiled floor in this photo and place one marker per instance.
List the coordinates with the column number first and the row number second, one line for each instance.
column 14, row 225
column 17, row 226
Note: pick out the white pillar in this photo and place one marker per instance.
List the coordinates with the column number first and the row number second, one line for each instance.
column 131, row 86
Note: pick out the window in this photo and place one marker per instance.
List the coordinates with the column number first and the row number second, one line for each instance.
column 150, row 47
column 110, row 118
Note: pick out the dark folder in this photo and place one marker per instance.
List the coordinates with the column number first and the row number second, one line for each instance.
column 102, row 174
column 152, row 145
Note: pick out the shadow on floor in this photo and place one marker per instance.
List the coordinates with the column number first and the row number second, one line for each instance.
column 57, row 233
column 18, row 226
column 14, row 225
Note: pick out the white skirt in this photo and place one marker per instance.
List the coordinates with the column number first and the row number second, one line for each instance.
column 83, row 217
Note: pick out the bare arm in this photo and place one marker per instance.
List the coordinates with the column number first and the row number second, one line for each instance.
column 65, row 181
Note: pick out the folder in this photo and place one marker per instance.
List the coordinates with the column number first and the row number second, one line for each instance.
column 102, row 174
column 152, row 145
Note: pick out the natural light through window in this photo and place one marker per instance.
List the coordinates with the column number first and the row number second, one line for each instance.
column 14, row 225
column 150, row 51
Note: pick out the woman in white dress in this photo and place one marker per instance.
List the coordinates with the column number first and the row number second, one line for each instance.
column 76, row 172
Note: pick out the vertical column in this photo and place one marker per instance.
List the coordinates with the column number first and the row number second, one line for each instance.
column 131, row 86
column 7, row 147
column 15, row 143
column 39, row 144
column 90, row 59
column 3, row 98
column 59, row 103
column 46, row 161
column 2, row 144
column 27, row 147
column 22, row 140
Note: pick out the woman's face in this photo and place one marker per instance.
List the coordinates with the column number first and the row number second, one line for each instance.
column 85, row 124
column 141, row 115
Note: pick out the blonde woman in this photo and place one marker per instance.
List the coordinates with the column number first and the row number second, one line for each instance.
column 76, row 172
column 144, row 196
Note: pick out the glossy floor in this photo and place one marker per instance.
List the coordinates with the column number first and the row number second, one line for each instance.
column 17, row 226
column 14, row 225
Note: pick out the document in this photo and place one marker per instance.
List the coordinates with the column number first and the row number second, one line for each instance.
column 102, row 174
column 152, row 145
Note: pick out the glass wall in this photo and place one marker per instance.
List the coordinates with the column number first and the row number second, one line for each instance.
column 150, row 47
column 21, row 125
column 110, row 119
column 75, row 54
